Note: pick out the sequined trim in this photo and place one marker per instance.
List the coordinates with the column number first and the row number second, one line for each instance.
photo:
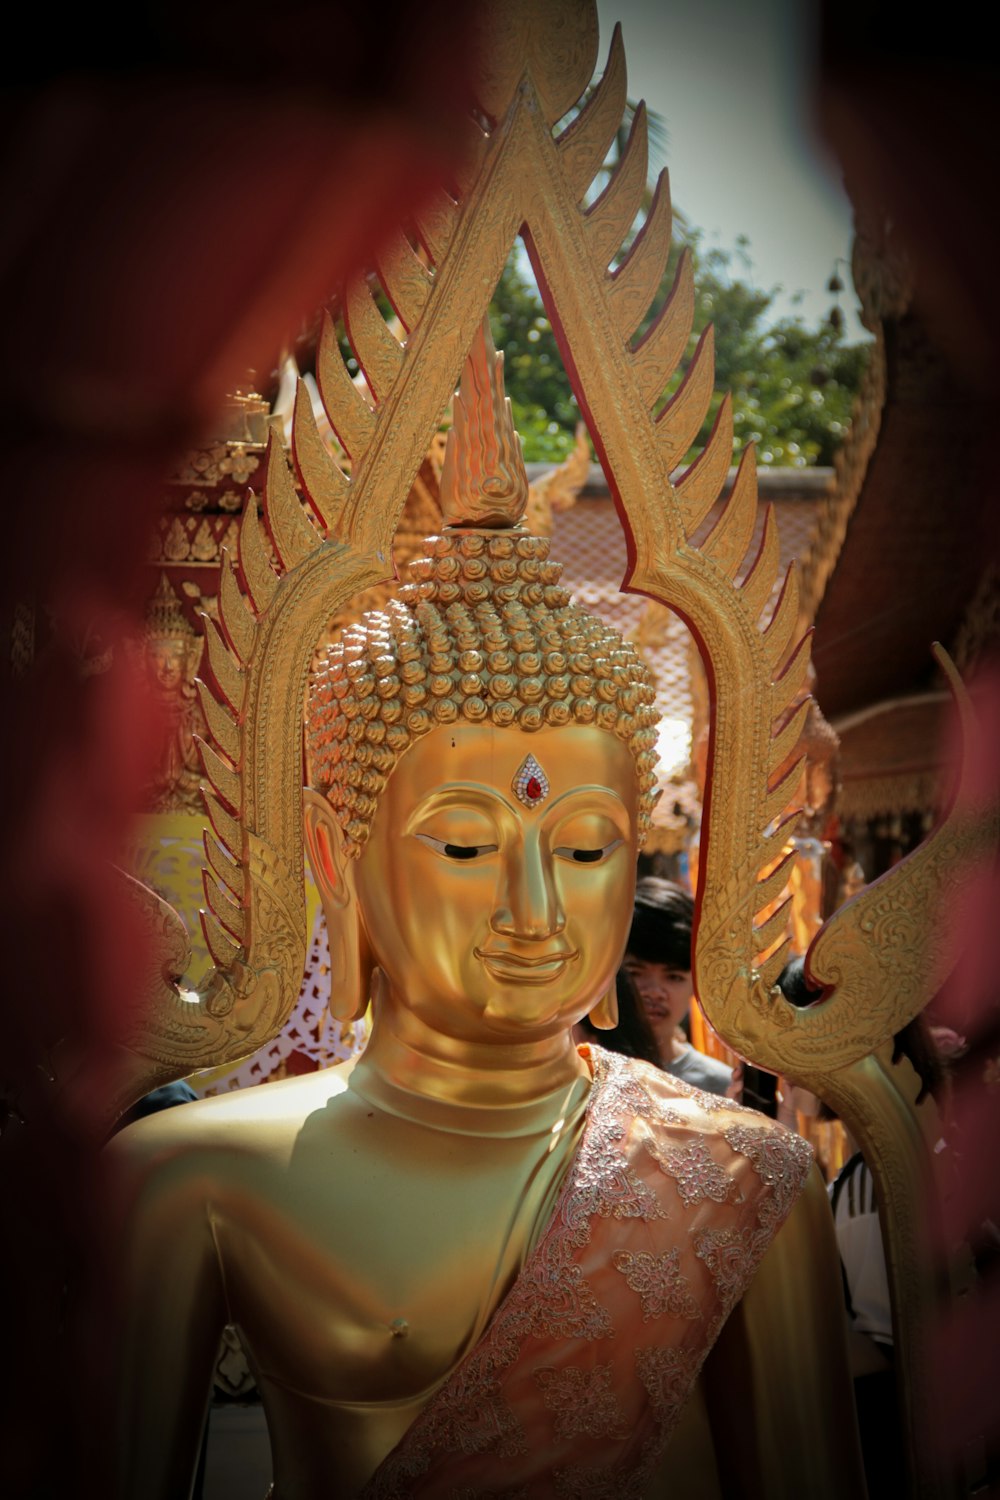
column 781, row 1162
column 692, row 1167
column 668, row 1375
column 470, row 1415
column 712, row 1103
column 583, row 1401
column 730, row 1257
column 579, row 1483
column 662, row 1286
column 397, row 1478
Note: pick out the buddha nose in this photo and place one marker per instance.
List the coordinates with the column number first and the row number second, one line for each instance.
column 528, row 904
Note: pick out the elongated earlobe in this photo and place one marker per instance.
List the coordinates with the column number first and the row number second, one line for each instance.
column 604, row 1015
column 351, row 963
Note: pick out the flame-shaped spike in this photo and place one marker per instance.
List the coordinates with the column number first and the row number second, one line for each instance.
column 782, row 625
column 224, row 780
column 351, row 418
column 680, row 421
column 584, row 144
column 224, row 669
column 223, row 908
column 226, row 870
column 788, row 736
column 292, row 534
column 227, row 828
column 636, row 282
column 563, row 59
column 224, row 731
column 237, row 623
column 379, row 352
column 700, row 485
column 224, row 952
column 323, row 481
column 483, row 480
column 772, row 966
column 656, row 358
column 771, row 928
column 758, row 584
column 258, row 575
column 436, row 224
column 405, row 278
column 770, row 886
column 780, row 795
column 792, row 678
column 609, row 219
column 730, row 536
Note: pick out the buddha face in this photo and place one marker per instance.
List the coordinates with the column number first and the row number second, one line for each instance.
column 496, row 917
column 167, row 659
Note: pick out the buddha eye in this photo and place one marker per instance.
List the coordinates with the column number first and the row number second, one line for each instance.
column 588, row 856
column 456, row 851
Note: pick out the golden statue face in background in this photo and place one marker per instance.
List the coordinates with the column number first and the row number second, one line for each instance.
column 499, row 918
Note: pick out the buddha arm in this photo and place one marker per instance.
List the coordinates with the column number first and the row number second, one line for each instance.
column 173, row 1313
column 777, row 1383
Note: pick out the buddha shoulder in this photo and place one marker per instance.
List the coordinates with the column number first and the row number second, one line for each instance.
column 240, row 1131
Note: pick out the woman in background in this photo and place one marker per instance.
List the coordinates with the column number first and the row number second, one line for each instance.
column 655, row 989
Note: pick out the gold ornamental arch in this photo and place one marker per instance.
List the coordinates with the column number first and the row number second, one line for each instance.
column 881, row 957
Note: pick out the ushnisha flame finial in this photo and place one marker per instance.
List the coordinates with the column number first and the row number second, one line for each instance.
column 483, row 481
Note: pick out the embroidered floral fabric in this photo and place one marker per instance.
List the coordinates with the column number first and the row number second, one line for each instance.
column 670, row 1202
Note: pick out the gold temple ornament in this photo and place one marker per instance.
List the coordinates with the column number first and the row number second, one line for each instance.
column 526, row 662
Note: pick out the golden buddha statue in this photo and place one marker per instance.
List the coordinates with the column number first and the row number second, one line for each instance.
column 481, row 1258
column 484, row 1261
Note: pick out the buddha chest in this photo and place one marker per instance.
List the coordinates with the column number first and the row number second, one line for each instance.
column 372, row 1251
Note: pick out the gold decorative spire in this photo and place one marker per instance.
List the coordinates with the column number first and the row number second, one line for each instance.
column 484, row 481
column 165, row 619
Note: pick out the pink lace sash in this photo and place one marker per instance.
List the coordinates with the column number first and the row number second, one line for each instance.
column 575, row 1387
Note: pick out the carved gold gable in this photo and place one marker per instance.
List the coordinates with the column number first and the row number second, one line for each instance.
column 528, row 172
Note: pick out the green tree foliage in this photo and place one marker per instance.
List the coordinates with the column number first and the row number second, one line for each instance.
column 545, row 409
column 793, row 386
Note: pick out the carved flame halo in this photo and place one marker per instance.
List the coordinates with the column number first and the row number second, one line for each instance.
column 519, row 175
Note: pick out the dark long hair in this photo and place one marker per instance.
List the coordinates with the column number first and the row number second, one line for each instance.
column 662, row 918
column 633, row 1036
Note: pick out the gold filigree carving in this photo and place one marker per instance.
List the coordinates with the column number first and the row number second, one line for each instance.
column 223, row 461
column 170, row 654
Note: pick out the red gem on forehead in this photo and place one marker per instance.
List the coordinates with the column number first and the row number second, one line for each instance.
column 531, row 785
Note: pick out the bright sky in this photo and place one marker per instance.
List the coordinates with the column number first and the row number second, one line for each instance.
column 730, row 79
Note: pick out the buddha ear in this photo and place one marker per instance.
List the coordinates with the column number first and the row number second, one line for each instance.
column 351, row 962
column 604, row 1016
